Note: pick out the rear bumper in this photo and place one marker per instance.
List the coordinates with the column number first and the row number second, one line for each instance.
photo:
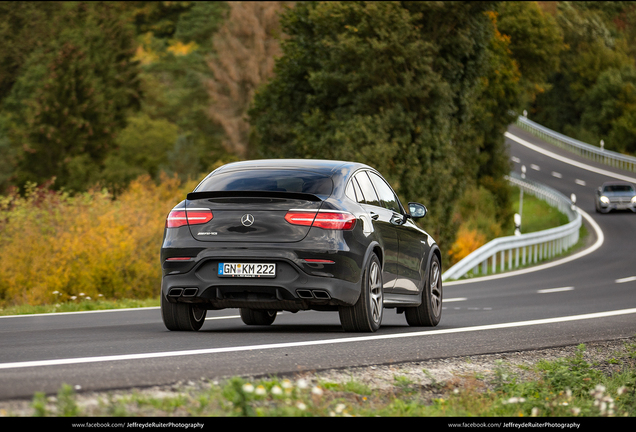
column 292, row 289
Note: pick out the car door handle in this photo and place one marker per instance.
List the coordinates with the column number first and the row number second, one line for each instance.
column 374, row 216
column 397, row 219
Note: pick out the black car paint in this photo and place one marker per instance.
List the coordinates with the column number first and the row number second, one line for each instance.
column 403, row 248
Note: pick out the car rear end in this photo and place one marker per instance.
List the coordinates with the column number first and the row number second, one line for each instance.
column 263, row 238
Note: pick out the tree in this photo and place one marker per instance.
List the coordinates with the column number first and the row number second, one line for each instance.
column 175, row 44
column 73, row 74
column 536, row 42
column 396, row 85
column 73, row 96
column 142, row 147
column 22, row 30
column 245, row 47
column 594, row 47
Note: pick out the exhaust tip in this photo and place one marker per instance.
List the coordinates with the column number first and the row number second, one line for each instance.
column 305, row 294
column 190, row 292
column 322, row 295
column 313, row 294
column 175, row 292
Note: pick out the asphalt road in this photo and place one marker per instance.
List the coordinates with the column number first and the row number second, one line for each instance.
column 587, row 299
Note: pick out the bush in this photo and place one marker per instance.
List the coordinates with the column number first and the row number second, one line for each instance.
column 56, row 247
column 476, row 215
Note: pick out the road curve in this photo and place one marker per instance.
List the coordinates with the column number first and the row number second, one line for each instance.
column 586, row 299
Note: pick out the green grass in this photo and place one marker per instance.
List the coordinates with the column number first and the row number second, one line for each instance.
column 537, row 215
column 566, row 387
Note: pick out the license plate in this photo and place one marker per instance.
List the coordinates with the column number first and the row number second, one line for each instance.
column 247, row 270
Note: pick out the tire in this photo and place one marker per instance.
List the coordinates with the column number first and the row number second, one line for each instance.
column 182, row 316
column 366, row 314
column 429, row 312
column 257, row 316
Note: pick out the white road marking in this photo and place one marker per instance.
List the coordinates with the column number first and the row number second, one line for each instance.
column 79, row 312
column 222, row 317
column 515, row 159
column 141, row 356
column 553, row 290
column 107, row 310
column 556, row 174
column 627, row 279
column 535, row 167
column 456, row 299
column 568, row 160
column 579, row 182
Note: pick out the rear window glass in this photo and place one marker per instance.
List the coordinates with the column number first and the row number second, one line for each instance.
column 268, row 180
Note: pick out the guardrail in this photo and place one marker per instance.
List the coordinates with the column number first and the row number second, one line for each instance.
column 598, row 154
column 508, row 253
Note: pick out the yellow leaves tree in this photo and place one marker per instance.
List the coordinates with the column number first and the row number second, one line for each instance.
column 467, row 241
column 475, row 215
column 246, row 48
column 55, row 247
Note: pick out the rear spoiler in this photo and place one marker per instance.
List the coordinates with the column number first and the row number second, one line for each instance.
column 264, row 194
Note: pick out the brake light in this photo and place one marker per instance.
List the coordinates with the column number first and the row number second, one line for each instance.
column 300, row 218
column 325, row 219
column 178, row 218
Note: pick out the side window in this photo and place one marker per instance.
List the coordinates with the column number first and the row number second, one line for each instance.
column 349, row 192
column 368, row 192
column 387, row 197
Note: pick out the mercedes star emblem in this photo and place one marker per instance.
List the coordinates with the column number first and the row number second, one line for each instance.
column 247, row 220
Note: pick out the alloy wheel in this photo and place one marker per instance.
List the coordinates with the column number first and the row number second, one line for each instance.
column 375, row 292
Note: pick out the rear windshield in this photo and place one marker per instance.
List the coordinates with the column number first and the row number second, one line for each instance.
column 268, row 180
column 618, row 188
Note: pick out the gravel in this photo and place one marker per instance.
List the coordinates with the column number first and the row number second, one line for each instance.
column 434, row 376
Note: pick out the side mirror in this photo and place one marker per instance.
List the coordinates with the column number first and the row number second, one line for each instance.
column 417, row 210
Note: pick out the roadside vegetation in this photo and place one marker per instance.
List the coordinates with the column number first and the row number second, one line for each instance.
column 74, row 249
column 566, row 387
column 103, row 104
column 90, row 252
column 111, row 111
column 478, row 227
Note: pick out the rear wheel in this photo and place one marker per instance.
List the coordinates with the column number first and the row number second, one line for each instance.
column 429, row 312
column 182, row 316
column 366, row 314
column 257, row 316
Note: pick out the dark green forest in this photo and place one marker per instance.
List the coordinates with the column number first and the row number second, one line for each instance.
column 97, row 94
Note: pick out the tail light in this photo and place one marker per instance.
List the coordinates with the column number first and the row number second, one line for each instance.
column 325, row 219
column 178, row 218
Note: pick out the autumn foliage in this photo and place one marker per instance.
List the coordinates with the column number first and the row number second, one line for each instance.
column 55, row 246
column 247, row 47
column 468, row 240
